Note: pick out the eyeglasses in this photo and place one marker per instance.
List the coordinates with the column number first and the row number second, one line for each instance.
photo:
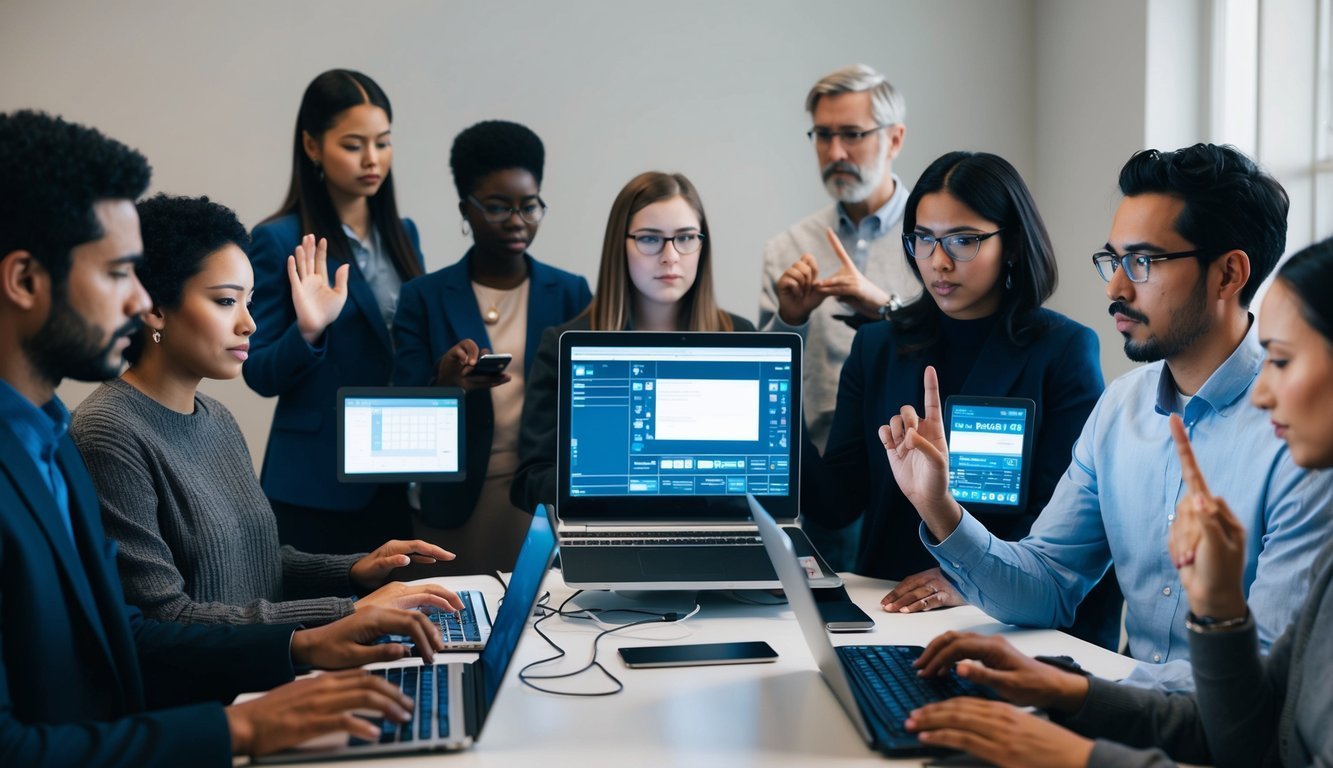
column 960, row 247
column 849, row 137
column 1136, row 264
column 495, row 213
column 652, row 244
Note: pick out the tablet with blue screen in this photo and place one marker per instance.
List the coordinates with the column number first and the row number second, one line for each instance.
column 990, row 452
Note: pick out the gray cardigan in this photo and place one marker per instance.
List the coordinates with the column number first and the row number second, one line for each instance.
column 198, row 541
column 1246, row 711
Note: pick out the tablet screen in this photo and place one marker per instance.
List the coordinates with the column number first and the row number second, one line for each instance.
column 400, row 434
column 989, row 441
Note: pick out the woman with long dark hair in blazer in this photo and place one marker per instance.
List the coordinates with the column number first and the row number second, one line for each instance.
column 974, row 238
column 341, row 199
column 497, row 297
column 656, row 275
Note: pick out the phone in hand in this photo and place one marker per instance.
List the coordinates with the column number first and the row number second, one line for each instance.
column 839, row 613
column 493, row 364
column 699, row 654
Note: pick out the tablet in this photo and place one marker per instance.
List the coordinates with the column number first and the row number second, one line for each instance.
column 400, row 434
column 990, row 452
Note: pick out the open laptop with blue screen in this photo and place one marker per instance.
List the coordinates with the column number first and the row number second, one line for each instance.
column 452, row 700
column 661, row 436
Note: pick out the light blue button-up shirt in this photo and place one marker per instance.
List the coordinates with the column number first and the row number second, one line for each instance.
column 39, row 431
column 1118, row 499
column 857, row 237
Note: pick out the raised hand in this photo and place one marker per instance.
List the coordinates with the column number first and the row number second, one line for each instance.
column 919, row 458
column 990, row 660
column 454, row 366
column 922, row 592
column 849, row 285
column 350, row 641
column 304, row 709
column 317, row 304
column 999, row 733
column 797, row 294
column 374, row 569
column 1207, row 542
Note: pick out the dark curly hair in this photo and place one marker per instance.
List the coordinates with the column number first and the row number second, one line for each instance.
column 54, row 171
column 494, row 145
column 1230, row 203
column 179, row 233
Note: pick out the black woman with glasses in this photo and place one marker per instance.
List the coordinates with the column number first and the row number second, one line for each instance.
column 497, row 297
column 340, row 208
column 973, row 237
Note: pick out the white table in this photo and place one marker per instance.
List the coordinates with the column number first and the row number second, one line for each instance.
column 779, row 714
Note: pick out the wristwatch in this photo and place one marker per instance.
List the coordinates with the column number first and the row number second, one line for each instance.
column 1207, row 624
column 892, row 305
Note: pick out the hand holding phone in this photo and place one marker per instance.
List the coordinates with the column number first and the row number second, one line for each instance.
column 491, row 364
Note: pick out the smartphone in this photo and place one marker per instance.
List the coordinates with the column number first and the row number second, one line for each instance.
column 840, row 614
column 694, row 655
column 491, row 365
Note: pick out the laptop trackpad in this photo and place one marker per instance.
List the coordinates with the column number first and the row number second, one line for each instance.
column 681, row 564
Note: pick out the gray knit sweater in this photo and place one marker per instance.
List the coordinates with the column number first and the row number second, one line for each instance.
column 198, row 542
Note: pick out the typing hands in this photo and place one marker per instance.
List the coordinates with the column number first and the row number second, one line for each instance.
column 374, row 569
column 991, row 661
column 1207, row 543
column 350, row 641
column 317, row 304
column 304, row 709
column 922, row 592
column 453, row 367
column 800, row 290
column 919, row 458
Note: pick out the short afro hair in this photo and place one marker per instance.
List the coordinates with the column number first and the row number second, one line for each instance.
column 54, row 172
column 494, row 145
column 179, row 233
column 1230, row 203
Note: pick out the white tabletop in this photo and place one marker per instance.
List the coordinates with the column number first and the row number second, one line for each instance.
column 775, row 714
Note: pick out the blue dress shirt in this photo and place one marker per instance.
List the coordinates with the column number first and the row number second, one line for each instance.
column 40, row 430
column 856, row 237
column 1116, row 502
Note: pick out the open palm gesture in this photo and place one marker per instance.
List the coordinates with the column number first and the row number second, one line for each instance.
column 919, row 457
column 316, row 302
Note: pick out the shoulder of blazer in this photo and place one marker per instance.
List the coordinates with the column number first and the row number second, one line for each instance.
column 283, row 229
column 546, row 274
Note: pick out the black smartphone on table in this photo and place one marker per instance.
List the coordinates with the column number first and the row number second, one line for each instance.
column 839, row 613
column 755, row 652
column 493, row 364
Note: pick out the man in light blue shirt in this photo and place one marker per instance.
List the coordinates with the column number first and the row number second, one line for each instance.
column 1196, row 233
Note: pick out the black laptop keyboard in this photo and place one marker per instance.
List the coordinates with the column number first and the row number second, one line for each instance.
column 428, row 687
column 460, row 627
column 659, row 539
column 889, row 688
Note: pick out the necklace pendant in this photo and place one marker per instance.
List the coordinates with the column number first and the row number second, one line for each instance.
column 491, row 316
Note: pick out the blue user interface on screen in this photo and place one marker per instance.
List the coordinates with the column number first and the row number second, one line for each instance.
column 986, row 454
column 696, row 422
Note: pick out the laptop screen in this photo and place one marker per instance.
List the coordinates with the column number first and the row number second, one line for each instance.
column 395, row 434
column 664, row 423
column 534, row 560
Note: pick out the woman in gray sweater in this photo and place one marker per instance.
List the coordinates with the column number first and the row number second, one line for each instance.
column 198, row 540
column 1247, row 710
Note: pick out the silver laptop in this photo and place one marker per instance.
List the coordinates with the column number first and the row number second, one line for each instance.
column 453, row 699
column 465, row 630
column 661, row 436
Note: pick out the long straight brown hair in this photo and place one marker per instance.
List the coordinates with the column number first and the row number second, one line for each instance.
column 611, row 307
column 328, row 96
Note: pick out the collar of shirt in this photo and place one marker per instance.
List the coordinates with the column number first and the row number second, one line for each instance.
column 880, row 222
column 38, row 429
column 1229, row 383
column 364, row 251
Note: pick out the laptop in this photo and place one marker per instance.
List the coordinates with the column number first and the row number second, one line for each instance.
column 466, row 630
column 661, row 436
column 453, row 699
column 875, row 684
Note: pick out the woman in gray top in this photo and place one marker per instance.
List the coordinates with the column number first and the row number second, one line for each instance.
column 1247, row 711
column 198, row 541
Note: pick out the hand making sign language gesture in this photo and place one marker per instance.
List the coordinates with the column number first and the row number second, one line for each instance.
column 919, row 457
column 800, row 289
column 317, row 303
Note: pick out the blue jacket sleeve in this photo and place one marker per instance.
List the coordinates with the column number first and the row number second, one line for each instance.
column 279, row 357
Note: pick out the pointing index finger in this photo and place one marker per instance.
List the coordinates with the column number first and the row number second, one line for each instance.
column 839, row 250
column 934, row 413
column 1190, row 473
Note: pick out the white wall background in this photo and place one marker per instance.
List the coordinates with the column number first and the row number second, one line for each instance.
column 209, row 92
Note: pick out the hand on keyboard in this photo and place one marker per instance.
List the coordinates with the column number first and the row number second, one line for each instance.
column 351, row 640
column 399, row 595
column 299, row 711
column 999, row 733
column 991, row 661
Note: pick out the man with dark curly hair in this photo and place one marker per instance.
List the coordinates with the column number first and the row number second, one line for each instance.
column 1196, row 233
column 85, row 679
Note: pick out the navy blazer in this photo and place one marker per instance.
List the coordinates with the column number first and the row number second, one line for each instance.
column 300, row 462
column 1060, row 371
column 84, row 678
column 437, row 311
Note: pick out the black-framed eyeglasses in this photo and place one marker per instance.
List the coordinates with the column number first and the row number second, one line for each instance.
column 651, row 244
column 496, row 213
column 848, row 136
column 1136, row 265
column 963, row 246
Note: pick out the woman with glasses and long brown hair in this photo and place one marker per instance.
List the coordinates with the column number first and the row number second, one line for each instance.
column 497, row 297
column 656, row 275
column 973, row 237
column 340, row 202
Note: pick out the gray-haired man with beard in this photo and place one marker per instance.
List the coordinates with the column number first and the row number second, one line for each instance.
column 857, row 130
